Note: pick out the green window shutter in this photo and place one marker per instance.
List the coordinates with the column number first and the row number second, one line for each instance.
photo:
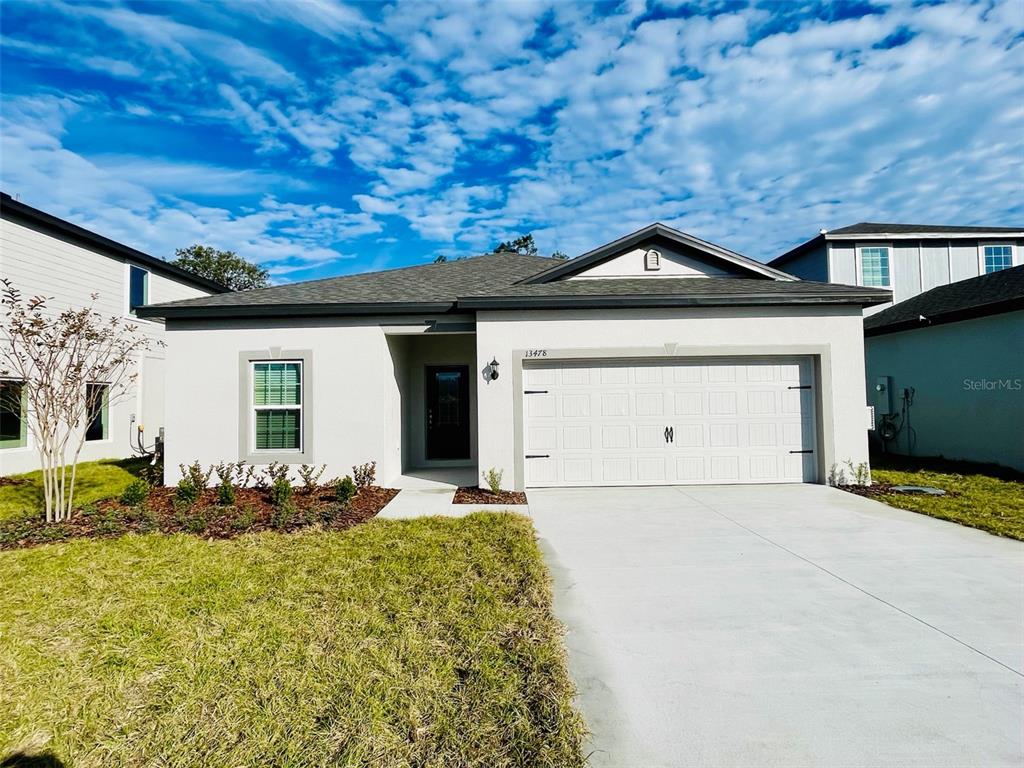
column 277, row 430
column 277, row 384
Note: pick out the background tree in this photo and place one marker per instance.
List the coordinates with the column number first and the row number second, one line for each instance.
column 56, row 356
column 224, row 267
column 525, row 246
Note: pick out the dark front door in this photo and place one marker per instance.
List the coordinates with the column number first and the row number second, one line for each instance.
column 447, row 412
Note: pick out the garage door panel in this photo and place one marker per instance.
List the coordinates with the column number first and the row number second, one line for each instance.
column 739, row 421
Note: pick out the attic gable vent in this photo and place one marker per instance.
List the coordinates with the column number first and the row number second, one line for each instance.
column 652, row 260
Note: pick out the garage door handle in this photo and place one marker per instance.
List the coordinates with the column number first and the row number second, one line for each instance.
column 538, row 456
column 805, row 451
column 535, row 392
column 802, row 386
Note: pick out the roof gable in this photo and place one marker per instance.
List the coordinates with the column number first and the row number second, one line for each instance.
column 717, row 261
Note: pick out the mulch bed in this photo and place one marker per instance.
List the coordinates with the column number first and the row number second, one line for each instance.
column 876, row 490
column 471, row 495
column 251, row 512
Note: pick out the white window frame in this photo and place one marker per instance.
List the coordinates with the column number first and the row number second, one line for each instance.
column 253, row 408
column 859, row 264
column 981, row 254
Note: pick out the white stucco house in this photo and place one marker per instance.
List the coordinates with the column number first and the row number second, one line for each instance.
column 658, row 358
column 946, row 371
column 44, row 255
column 909, row 259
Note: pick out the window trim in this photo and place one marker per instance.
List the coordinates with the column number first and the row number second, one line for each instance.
column 982, row 244
column 22, row 442
column 859, row 265
column 247, row 408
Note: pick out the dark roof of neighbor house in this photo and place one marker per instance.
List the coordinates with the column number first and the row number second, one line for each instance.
column 499, row 280
column 52, row 225
column 876, row 229
column 991, row 294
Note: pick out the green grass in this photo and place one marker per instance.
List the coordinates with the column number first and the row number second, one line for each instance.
column 95, row 480
column 989, row 498
column 425, row 642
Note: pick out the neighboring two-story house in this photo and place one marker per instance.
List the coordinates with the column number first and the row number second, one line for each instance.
column 44, row 255
column 944, row 359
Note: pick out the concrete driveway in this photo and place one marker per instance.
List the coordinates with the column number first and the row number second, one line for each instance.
column 785, row 626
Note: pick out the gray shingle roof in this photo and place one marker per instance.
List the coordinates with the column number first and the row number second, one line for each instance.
column 874, row 228
column 422, row 284
column 989, row 294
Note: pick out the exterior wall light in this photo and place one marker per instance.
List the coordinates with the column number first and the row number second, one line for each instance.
column 494, row 369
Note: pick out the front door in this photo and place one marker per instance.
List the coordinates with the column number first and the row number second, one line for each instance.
column 447, row 412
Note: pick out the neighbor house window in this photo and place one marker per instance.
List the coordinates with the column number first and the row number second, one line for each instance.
column 13, row 412
column 998, row 257
column 874, row 266
column 96, row 396
column 138, row 288
column 277, row 406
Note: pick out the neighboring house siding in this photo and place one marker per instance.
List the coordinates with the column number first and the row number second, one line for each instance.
column 812, row 265
column 952, row 415
column 964, row 260
column 906, row 272
column 934, row 265
column 843, row 264
column 41, row 264
column 673, row 333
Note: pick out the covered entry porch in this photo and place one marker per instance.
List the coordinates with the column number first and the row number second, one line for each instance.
column 437, row 376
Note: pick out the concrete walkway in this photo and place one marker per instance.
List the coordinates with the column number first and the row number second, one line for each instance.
column 785, row 626
column 431, row 492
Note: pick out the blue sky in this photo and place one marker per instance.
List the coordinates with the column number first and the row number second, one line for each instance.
column 319, row 138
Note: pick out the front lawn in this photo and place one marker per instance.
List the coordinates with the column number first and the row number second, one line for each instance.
column 22, row 495
column 988, row 498
column 426, row 642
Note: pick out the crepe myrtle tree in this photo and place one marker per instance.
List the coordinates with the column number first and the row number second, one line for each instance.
column 55, row 356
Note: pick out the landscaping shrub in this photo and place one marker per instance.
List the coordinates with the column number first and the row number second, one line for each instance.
column 198, row 521
column 136, row 493
column 280, row 492
column 275, row 471
column 344, row 489
column 310, row 476
column 225, row 472
column 225, row 493
column 365, row 474
column 187, row 492
column 493, row 479
column 283, row 514
column 195, row 473
column 244, row 517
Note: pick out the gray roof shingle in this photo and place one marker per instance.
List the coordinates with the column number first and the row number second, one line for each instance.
column 496, row 280
column 989, row 294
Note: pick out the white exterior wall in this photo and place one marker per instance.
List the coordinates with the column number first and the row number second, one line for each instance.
column 39, row 263
column 504, row 335
column 353, row 388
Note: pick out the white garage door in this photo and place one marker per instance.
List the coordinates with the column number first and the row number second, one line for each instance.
column 745, row 420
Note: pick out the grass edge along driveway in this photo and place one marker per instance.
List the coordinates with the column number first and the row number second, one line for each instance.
column 427, row 642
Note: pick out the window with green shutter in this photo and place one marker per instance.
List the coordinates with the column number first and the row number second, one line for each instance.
column 277, row 406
